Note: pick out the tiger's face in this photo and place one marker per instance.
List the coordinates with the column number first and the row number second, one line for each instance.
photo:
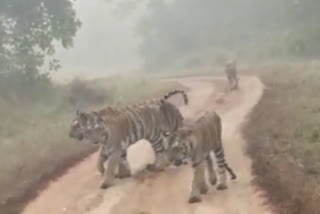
column 88, row 126
column 179, row 147
column 78, row 126
column 231, row 64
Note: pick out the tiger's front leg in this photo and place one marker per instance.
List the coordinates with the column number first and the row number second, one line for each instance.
column 102, row 158
column 109, row 174
column 124, row 169
column 199, row 185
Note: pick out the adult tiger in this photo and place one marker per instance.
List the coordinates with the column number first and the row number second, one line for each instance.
column 231, row 72
column 194, row 142
column 117, row 129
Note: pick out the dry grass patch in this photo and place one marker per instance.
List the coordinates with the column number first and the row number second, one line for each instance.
column 283, row 135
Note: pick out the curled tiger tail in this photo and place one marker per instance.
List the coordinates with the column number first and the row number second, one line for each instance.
column 171, row 93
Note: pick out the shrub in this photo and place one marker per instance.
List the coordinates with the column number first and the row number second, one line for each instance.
column 82, row 94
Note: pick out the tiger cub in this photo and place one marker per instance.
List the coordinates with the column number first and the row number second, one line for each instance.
column 193, row 142
column 231, row 73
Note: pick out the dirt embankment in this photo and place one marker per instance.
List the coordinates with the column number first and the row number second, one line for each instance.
column 167, row 192
column 283, row 138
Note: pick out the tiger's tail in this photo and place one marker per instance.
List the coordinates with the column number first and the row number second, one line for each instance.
column 232, row 174
column 171, row 93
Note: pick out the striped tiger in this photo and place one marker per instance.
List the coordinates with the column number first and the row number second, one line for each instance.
column 116, row 129
column 194, row 142
column 231, row 72
column 83, row 122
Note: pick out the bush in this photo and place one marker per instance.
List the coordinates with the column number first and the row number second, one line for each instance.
column 24, row 88
column 82, row 94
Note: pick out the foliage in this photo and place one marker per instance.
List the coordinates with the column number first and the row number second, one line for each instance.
column 82, row 94
column 171, row 30
column 28, row 29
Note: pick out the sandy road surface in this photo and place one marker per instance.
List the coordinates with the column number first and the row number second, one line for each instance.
column 166, row 192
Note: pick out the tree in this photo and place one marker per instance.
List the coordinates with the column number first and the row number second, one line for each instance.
column 171, row 30
column 29, row 31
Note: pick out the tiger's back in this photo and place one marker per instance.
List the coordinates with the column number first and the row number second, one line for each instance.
column 169, row 113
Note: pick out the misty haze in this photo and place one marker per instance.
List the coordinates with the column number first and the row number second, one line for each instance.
column 159, row 106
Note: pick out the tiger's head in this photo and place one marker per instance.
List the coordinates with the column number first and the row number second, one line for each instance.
column 179, row 147
column 88, row 126
column 231, row 63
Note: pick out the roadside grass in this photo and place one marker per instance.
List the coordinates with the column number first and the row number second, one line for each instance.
column 283, row 132
column 35, row 146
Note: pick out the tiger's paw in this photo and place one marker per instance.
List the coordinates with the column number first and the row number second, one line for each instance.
column 154, row 168
column 194, row 199
column 100, row 169
column 233, row 177
column 123, row 175
column 204, row 189
column 150, row 167
column 105, row 185
column 221, row 187
column 213, row 181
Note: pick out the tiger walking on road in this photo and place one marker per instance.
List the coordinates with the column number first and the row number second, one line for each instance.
column 117, row 129
column 194, row 142
column 231, row 72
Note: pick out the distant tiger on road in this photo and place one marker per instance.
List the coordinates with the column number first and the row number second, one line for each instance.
column 118, row 128
column 231, row 72
column 194, row 142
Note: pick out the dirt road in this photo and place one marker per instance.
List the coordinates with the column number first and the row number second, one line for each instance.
column 167, row 192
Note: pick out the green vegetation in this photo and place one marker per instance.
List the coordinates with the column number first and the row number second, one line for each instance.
column 29, row 31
